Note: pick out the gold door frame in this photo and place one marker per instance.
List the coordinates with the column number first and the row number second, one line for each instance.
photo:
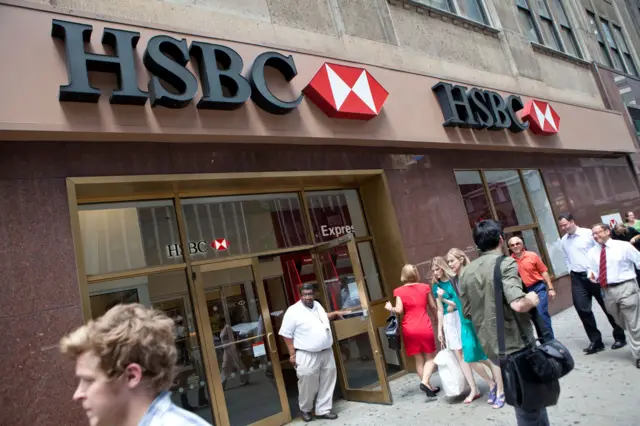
column 375, row 198
column 344, row 329
column 283, row 416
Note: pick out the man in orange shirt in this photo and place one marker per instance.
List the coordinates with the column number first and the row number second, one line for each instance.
column 535, row 276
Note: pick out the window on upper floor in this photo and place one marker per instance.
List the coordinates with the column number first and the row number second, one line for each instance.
column 526, row 20
column 614, row 49
column 624, row 48
column 471, row 9
column 593, row 27
column 547, row 25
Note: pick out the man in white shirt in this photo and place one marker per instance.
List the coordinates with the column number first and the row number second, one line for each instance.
column 307, row 333
column 612, row 264
column 576, row 244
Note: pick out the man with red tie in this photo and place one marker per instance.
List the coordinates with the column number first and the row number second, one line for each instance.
column 612, row 264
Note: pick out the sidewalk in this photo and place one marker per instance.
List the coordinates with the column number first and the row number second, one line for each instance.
column 603, row 390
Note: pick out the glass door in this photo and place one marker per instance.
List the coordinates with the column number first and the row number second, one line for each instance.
column 360, row 361
column 252, row 389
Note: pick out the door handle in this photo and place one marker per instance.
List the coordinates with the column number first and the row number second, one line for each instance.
column 272, row 343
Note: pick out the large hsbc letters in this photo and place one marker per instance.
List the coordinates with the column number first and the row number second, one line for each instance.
column 220, row 68
column 478, row 109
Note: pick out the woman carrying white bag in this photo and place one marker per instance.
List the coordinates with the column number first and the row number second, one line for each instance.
column 451, row 376
column 460, row 340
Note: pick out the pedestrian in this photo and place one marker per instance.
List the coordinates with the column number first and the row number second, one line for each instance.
column 307, row 333
column 231, row 360
column 632, row 221
column 451, row 327
column 629, row 234
column 125, row 363
column 612, row 266
column 472, row 351
column 413, row 299
column 479, row 304
column 576, row 243
column 535, row 275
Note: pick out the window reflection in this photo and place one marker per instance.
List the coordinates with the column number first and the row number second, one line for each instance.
column 169, row 293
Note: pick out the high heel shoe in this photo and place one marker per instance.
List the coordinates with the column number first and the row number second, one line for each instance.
column 431, row 393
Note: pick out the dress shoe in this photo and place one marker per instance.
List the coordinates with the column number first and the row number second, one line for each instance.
column 618, row 344
column 594, row 347
column 637, row 363
column 306, row 416
column 431, row 393
column 329, row 416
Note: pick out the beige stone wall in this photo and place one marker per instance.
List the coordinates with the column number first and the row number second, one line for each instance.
column 388, row 33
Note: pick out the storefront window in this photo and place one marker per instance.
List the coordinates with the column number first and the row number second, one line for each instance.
column 473, row 195
column 546, row 220
column 230, row 226
column 335, row 213
column 508, row 198
column 124, row 236
column 513, row 205
column 169, row 293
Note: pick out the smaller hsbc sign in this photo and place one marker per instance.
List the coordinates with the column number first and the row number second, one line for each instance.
column 485, row 109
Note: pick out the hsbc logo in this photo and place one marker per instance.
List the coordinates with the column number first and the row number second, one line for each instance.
column 342, row 91
column 542, row 118
column 484, row 109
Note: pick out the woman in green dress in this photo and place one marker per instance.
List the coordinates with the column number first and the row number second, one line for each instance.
column 472, row 349
column 453, row 327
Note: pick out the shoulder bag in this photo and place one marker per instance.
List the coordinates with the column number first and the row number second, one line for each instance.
column 392, row 331
column 531, row 375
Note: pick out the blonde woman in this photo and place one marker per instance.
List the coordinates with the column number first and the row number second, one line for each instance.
column 413, row 299
column 449, row 324
column 472, row 351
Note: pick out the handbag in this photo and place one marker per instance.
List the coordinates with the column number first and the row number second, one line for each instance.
column 392, row 331
column 531, row 375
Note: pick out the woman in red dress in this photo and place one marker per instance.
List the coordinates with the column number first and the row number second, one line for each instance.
column 412, row 299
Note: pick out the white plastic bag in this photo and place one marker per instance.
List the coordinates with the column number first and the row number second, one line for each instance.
column 453, row 381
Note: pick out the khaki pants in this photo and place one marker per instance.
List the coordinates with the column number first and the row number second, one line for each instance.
column 316, row 376
column 623, row 303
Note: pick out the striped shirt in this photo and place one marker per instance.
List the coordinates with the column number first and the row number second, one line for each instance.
column 163, row 412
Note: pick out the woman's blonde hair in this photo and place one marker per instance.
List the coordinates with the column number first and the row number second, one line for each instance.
column 460, row 255
column 442, row 264
column 409, row 274
column 125, row 335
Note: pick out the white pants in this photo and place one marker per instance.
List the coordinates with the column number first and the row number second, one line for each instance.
column 316, row 376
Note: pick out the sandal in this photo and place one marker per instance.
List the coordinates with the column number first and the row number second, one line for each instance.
column 473, row 398
column 492, row 395
column 499, row 403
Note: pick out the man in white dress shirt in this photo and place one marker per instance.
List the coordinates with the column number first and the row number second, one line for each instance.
column 307, row 333
column 612, row 264
column 576, row 244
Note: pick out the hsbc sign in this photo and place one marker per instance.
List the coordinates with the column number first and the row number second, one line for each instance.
column 484, row 109
column 340, row 91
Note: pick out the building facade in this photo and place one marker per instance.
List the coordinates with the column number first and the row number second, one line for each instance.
column 208, row 157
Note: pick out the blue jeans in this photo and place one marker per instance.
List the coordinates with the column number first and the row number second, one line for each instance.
column 543, row 307
column 532, row 418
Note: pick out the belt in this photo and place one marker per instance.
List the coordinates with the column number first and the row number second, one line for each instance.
column 582, row 274
column 619, row 283
column 309, row 352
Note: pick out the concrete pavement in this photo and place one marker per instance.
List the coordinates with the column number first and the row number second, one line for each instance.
column 603, row 390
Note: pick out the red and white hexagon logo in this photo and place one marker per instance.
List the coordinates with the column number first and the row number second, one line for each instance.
column 341, row 91
column 542, row 118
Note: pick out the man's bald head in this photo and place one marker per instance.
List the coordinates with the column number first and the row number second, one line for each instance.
column 516, row 245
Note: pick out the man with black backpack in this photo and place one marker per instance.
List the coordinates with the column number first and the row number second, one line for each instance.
column 479, row 304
